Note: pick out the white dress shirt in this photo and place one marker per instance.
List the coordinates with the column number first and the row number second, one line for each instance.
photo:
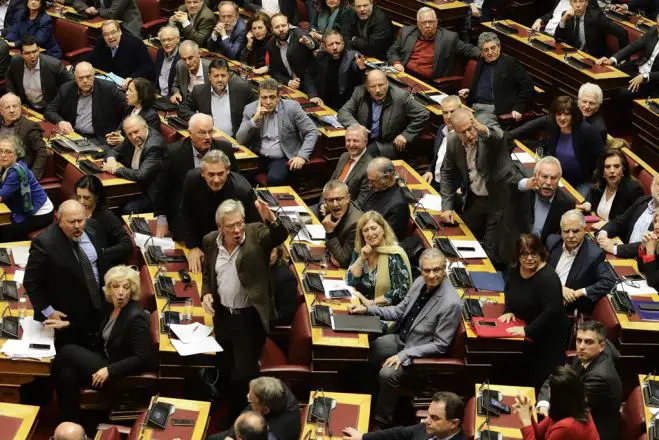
column 440, row 155
column 32, row 85
column 565, row 263
column 604, row 206
column 561, row 7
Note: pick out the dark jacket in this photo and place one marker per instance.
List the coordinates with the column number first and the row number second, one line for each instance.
column 36, row 152
column 15, row 10
column 548, row 16
column 300, row 58
column 119, row 245
column 150, row 115
column 414, row 432
column 41, row 29
column 199, row 203
column 342, row 22
column 160, row 58
column 391, row 204
column 257, row 56
column 372, row 37
column 200, row 30
column 596, row 27
column 588, row 271
column 645, row 45
column 357, row 181
column 125, row 11
column 648, row 265
column 629, row 190
column 349, row 76
column 130, row 348
column 52, row 73
column 341, row 241
column 284, row 286
column 147, row 174
column 447, row 45
column 199, row 101
column 623, row 225
column 561, row 204
column 108, row 106
column 132, row 59
column 286, row 7
column 599, row 125
column 232, row 46
column 439, row 138
column 512, row 86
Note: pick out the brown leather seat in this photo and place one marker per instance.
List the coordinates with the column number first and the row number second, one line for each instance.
column 151, row 16
column 632, row 420
column 73, row 38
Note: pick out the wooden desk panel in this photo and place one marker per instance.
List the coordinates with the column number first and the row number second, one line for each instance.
column 449, row 13
column 635, row 25
column 350, row 408
column 26, row 413
column 645, row 132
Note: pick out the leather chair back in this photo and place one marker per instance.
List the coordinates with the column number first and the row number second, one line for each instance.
column 468, row 76
column 458, row 346
column 149, row 9
column 645, row 179
column 632, row 420
column 147, row 298
column 299, row 347
column 168, row 133
column 71, row 36
column 70, row 176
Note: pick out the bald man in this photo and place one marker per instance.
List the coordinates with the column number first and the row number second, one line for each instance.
column 69, row 431
column 391, row 114
column 91, row 107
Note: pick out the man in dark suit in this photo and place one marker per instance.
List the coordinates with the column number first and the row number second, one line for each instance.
column 124, row 11
column 230, row 33
column 500, row 84
column 14, row 13
column 371, row 32
column 121, row 53
column 191, row 70
column 236, row 288
column 391, row 114
column 181, row 157
column 425, row 323
column 166, row 59
column 30, row 132
column 340, row 222
column 35, row 77
column 385, row 195
column 477, row 159
column 204, row 189
column 195, row 20
column 546, row 202
column 434, row 175
column 339, row 71
column 224, row 97
column 64, row 275
column 579, row 263
column 444, row 421
column 417, row 45
column 586, row 29
column 91, row 107
column 595, row 366
column 140, row 155
column 630, row 225
column 549, row 21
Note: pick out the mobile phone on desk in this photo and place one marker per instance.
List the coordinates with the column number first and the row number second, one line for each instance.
column 500, row 406
column 487, row 323
column 183, row 422
column 285, row 197
column 634, row 277
column 39, row 346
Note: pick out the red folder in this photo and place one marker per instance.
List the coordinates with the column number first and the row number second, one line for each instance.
column 493, row 328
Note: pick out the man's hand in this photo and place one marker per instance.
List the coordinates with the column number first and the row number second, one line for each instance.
column 360, row 61
column 91, row 11
column 64, row 127
column 506, row 317
column 392, row 362
column 264, row 211
column 366, row 252
column 516, row 115
column 179, row 16
column 357, row 309
column 399, row 67
column 463, row 93
column 162, row 230
column 428, row 177
column 447, row 216
column 523, row 408
column 307, row 41
column 294, row 83
column 400, row 142
column 516, row 331
column 567, row 15
column 316, row 36
column 570, row 295
column 195, row 259
column 532, row 183
column 606, row 244
column 176, row 98
column 250, row 39
column 110, row 165
column 618, row 8
column 220, row 29
column 316, row 100
column 114, row 138
column 56, row 320
column 635, row 83
column 598, row 225
column 207, row 304
column 650, row 242
column 330, row 224
column 258, row 114
column 99, row 378
column 585, row 206
column 475, row 12
column 604, row 61
column 352, row 434
column 296, row 163
column 480, row 128
column 537, row 25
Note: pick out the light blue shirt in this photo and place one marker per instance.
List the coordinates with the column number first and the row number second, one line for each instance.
column 114, row 50
column 376, row 112
column 221, row 111
column 270, row 145
column 84, row 123
column 541, row 210
column 643, row 223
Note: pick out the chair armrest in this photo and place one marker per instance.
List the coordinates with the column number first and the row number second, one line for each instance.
column 154, row 23
column 77, row 53
column 448, row 81
column 123, row 430
column 433, row 362
column 508, row 117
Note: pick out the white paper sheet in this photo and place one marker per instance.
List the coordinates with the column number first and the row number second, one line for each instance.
column 330, row 285
column 205, row 345
column 15, row 348
column 191, row 332
column 478, row 251
column 20, row 254
column 316, row 231
column 431, row 201
column 523, row 157
column 638, row 288
column 332, row 120
column 36, row 331
column 18, row 276
column 438, row 98
column 165, row 243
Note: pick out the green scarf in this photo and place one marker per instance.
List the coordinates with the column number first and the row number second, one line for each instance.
column 24, row 183
column 382, row 279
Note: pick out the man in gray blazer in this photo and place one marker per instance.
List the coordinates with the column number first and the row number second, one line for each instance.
column 391, row 115
column 425, row 324
column 340, row 222
column 195, row 20
column 191, row 70
column 279, row 131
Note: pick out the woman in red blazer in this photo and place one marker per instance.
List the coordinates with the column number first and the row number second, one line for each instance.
column 568, row 419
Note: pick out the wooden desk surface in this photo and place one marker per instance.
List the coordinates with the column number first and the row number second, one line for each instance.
column 93, row 22
column 201, row 424
column 634, row 24
column 5, row 214
column 509, row 392
column 360, row 412
column 27, row 413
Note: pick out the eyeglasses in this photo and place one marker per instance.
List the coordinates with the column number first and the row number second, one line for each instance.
column 335, row 199
column 7, row 152
column 524, row 255
column 234, row 226
column 432, row 270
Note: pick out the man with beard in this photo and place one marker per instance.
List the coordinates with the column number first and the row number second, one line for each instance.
column 224, row 98
column 371, row 32
column 339, row 71
column 340, row 223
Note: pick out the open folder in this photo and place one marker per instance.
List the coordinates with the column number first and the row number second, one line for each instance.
column 493, row 328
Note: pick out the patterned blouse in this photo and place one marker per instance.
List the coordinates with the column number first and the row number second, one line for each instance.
column 400, row 278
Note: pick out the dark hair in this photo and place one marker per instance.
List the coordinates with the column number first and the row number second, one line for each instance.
column 146, row 92
column 323, row 5
column 42, row 9
column 600, row 181
column 265, row 18
column 251, row 426
column 94, row 185
column 566, row 103
column 278, row 14
column 27, row 40
column 591, row 325
column 454, row 406
column 566, row 396
column 219, row 63
column 530, row 243
column 331, row 32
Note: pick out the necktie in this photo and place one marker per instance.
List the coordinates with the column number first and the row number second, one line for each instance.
column 345, row 171
column 88, row 272
column 577, row 33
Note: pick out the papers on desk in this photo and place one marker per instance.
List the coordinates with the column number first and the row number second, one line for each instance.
column 111, row 77
column 332, row 285
column 190, row 332
column 523, row 157
column 313, row 233
column 165, row 243
column 33, row 333
column 331, row 120
column 20, row 254
column 199, row 346
column 35, row 330
column 469, row 249
column 437, row 98
column 634, row 288
column 431, row 201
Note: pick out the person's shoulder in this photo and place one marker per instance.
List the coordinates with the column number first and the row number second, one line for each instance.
column 240, row 182
column 210, row 239
column 206, row 13
column 553, row 240
column 250, row 108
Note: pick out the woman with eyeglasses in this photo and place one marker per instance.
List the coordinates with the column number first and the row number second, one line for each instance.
column 534, row 294
column 380, row 270
column 123, row 347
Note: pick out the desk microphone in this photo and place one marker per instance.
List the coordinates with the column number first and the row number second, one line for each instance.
column 620, row 299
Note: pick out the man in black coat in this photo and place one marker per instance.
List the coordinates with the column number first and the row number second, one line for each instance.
column 444, row 421
column 140, row 155
column 121, row 53
column 181, row 157
column 51, row 75
column 204, row 189
column 595, row 366
column 386, row 196
column 64, row 276
column 212, row 98
column 90, row 107
column 371, row 32
column 166, row 59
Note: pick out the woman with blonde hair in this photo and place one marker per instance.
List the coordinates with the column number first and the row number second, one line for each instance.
column 122, row 347
column 379, row 270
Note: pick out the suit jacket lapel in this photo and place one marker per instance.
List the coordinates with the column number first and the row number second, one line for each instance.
column 579, row 263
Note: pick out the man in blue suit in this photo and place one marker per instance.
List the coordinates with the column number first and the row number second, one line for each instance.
column 579, row 263
column 229, row 36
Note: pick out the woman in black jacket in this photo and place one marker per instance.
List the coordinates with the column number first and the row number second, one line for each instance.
column 255, row 52
column 123, row 347
column 140, row 97
column 284, row 286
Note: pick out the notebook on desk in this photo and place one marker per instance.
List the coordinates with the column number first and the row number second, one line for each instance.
column 357, row 323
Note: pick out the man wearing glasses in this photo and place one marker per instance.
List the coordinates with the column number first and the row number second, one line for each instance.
column 425, row 324
column 340, row 222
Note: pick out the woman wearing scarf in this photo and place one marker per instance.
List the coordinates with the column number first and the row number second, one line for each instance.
column 30, row 207
column 333, row 14
column 380, row 270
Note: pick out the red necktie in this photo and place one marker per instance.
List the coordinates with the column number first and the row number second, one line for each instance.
column 346, row 168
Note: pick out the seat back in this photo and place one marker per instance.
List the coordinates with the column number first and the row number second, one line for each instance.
column 632, row 420
column 147, row 298
column 299, row 347
column 70, row 176
column 604, row 313
column 153, row 53
column 112, row 433
column 468, row 76
column 149, row 9
column 168, row 133
column 645, row 179
column 71, row 36
column 469, row 418
column 155, row 328
column 458, row 346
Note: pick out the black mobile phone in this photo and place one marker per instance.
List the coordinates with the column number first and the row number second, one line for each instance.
column 340, row 293
column 634, row 277
column 285, row 197
column 183, row 422
column 40, row 346
column 487, row 323
column 466, row 248
column 500, row 406
column 649, row 307
column 184, row 276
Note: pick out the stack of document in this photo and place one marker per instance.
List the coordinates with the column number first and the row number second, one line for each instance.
column 34, row 332
column 165, row 243
column 635, row 288
column 313, row 233
column 20, row 254
column 431, row 201
column 194, row 339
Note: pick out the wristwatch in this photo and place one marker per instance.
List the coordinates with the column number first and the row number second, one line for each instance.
column 646, row 76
